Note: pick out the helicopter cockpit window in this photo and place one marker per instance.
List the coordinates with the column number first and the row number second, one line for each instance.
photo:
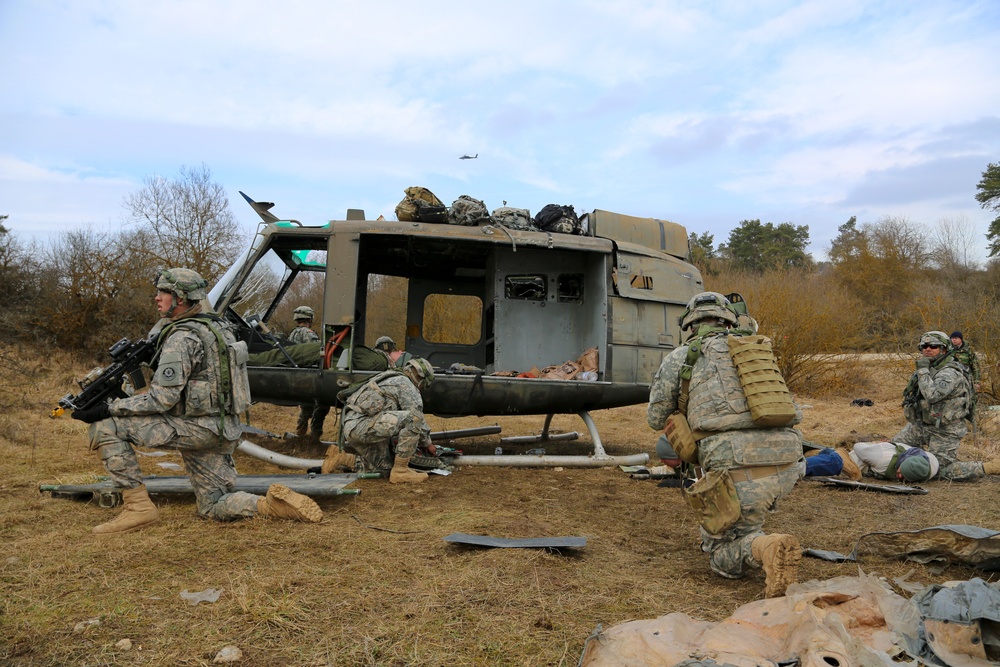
column 569, row 288
column 530, row 288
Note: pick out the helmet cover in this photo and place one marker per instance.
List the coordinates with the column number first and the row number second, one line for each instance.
column 303, row 313
column 708, row 305
column 183, row 283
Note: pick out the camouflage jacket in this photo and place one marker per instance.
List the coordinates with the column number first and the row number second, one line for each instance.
column 301, row 335
column 185, row 386
column 968, row 358
column 716, row 403
column 938, row 395
column 393, row 392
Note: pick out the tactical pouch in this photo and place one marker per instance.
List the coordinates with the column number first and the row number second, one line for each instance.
column 680, row 437
column 714, row 498
column 767, row 395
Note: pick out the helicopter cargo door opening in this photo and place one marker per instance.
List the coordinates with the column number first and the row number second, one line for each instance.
column 546, row 307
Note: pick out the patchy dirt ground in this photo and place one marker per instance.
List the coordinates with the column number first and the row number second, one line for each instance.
column 375, row 584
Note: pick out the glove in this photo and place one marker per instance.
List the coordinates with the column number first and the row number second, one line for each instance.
column 923, row 362
column 95, row 414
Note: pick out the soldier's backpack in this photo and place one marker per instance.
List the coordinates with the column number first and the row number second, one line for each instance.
column 767, row 395
column 468, row 211
column 558, row 219
column 421, row 205
column 514, row 218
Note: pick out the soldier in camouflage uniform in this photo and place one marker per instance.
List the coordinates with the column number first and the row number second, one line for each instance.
column 384, row 421
column 935, row 404
column 965, row 356
column 762, row 462
column 198, row 389
column 311, row 417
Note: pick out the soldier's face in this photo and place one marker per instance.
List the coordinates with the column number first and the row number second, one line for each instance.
column 931, row 351
column 956, row 341
column 164, row 300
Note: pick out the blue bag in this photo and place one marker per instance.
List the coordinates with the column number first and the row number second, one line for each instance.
column 827, row 463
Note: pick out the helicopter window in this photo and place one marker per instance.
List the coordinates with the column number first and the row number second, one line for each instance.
column 454, row 319
column 569, row 288
column 530, row 288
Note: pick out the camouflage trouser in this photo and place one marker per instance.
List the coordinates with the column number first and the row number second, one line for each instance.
column 316, row 414
column 942, row 442
column 208, row 462
column 371, row 437
column 730, row 551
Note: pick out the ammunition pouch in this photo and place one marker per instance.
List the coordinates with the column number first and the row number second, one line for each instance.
column 681, row 438
column 714, row 498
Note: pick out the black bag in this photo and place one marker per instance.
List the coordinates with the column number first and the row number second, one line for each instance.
column 558, row 219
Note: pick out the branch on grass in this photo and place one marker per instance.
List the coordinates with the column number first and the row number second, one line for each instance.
column 387, row 530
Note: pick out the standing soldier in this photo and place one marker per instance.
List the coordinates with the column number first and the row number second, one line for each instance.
column 753, row 466
column 311, row 417
column 966, row 357
column 935, row 403
column 384, row 423
column 197, row 393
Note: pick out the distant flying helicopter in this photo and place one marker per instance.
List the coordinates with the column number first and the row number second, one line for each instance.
column 469, row 157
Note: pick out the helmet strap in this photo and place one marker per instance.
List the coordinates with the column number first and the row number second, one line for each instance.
column 173, row 305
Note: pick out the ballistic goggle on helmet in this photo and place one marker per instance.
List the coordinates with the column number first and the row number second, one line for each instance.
column 934, row 339
column 303, row 313
column 708, row 305
column 184, row 283
column 422, row 369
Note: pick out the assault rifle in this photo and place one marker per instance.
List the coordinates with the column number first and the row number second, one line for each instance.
column 102, row 384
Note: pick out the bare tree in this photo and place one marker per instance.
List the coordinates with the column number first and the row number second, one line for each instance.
column 954, row 244
column 99, row 289
column 190, row 221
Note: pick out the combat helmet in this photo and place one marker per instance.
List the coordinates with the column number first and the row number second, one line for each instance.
column 183, row 283
column 422, row 369
column 385, row 344
column 303, row 313
column 708, row 305
column 934, row 339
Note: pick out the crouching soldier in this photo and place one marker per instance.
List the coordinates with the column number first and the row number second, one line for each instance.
column 696, row 397
column 936, row 403
column 384, row 423
column 197, row 393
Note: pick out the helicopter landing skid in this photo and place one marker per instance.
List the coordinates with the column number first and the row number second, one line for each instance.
column 599, row 459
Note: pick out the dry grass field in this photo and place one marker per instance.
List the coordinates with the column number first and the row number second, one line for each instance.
column 375, row 584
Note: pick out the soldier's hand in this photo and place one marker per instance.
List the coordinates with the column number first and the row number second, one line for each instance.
column 94, row 414
column 923, row 362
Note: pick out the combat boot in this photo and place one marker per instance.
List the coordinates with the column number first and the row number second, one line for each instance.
column 302, row 424
column 851, row 470
column 338, row 461
column 780, row 556
column 138, row 511
column 402, row 474
column 283, row 503
column 992, row 467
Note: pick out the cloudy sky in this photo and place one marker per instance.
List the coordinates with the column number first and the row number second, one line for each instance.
column 705, row 113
